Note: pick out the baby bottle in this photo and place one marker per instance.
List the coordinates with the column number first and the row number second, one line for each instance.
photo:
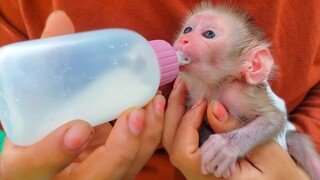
column 92, row 76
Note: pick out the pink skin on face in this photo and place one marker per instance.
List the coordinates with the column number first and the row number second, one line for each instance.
column 204, row 52
column 200, row 24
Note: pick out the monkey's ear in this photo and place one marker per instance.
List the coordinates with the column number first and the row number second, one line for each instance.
column 258, row 65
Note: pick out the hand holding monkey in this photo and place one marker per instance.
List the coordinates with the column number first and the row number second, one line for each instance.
column 224, row 56
column 181, row 140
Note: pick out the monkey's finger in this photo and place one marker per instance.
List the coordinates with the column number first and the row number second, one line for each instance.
column 217, row 159
column 226, row 174
column 215, row 162
column 210, row 159
column 213, row 145
column 211, row 167
column 233, row 169
column 219, row 118
column 224, row 166
column 174, row 113
column 204, row 169
column 58, row 23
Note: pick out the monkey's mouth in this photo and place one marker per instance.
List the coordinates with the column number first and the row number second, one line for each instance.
column 183, row 58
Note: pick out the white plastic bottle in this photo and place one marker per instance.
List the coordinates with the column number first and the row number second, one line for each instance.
column 92, row 76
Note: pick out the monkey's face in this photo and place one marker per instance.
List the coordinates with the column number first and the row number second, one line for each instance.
column 202, row 42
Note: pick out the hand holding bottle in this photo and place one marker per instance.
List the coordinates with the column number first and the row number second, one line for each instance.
column 92, row 75
column 76, row 150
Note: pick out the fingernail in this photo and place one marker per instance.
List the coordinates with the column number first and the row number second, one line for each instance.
column 159, row 104
column 196, row 104
column 176, row 82
column 54, row 13
column 159, row 92
column 219, row 110
column 77, row 135
column 136, row 121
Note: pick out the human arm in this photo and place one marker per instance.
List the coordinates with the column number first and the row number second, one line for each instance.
column 181, row 141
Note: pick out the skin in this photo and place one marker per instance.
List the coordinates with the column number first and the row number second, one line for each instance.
column 92, row 149
column 181, row 140
column 79, row 151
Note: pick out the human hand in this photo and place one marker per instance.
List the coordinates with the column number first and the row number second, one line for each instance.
column 79, row 151
column 181, row 140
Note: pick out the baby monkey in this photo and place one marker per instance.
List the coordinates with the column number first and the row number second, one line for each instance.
column 224, row 56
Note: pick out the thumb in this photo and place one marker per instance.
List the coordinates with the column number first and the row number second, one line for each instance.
column 266, row 159
column 262, row 157
column 219, row 118
column 187, row 137
column 58, row 23
column 47, row 157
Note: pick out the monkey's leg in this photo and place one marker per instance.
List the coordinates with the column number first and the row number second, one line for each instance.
column 301, row 148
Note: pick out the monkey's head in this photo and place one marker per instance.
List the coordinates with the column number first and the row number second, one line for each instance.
column 220, row 43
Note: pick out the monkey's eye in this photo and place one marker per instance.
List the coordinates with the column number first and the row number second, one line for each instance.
column 209, row 34
column 187, row 30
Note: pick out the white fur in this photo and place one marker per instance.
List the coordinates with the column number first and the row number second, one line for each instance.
column 279, row 103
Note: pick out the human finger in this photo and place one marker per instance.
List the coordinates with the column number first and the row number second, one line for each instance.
column 58, row 23
column 174, row 113
column 47, row 157
column 219, row 118
column 185, row 153
column 101, row 134
column 115, row 157
column 186, row 141
column 151, row 135
column 267, row 159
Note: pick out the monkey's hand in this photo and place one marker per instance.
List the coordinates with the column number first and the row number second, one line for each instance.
column 219, row 156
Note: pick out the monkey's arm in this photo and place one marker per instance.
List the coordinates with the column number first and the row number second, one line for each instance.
column 221, row 151
column 182, row 144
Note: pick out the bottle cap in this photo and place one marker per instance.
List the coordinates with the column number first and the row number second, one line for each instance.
column 167, row 59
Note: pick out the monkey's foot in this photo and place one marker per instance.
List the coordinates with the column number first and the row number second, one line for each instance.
column 219, row 156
